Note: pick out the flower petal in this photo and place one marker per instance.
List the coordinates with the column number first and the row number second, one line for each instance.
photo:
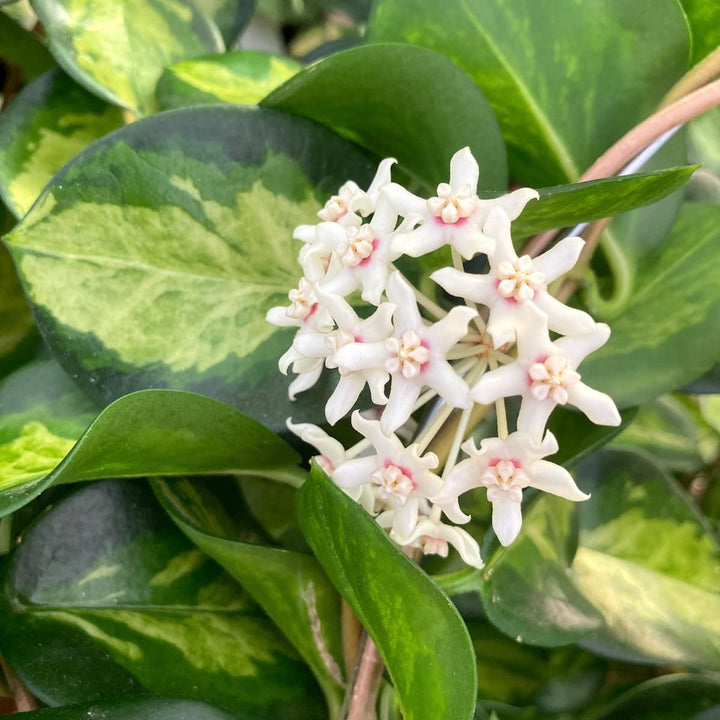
column 514, row 203
column 506, row 519
column 361, row 356
column 382, row 177
column 464, row 170
column 344, row 396
column 355, row 472
column 403, row 395
column 476, row 288
column 552, row 478
column 577, row 347
column 533, row 416
column 559, row 258
column 403, row 201
column 562, row 318
column 304, row 382
column 598, row 406
column 506, row 381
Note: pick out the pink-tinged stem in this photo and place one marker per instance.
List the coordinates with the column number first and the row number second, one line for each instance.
column 24, row 700
column 635, row 141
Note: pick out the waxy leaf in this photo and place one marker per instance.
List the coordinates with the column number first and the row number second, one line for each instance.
column 151, row 432
column 153, row 709
column 243, row 76
column 419, row 633
column 668, row 698
column 23, row 49
column 525, row 588
column 704, row 20
column 230, row 16
column 648, row 562
column 668, row 334
column 50, row 122
column 151, row 260
column 537, row 65
column 147, row 35
column 105, row 578
column 568, row 205
column 403, row 102
column 291, row 587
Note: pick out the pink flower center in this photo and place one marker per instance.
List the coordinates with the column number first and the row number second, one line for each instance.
column 450, row 206
column 518, row 280
column 408, row 355
column 551, row 378
column 393, row 482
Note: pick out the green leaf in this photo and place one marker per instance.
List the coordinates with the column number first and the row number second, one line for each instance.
column 648, row 562
column 23, row 49
column 154, row 709
column 665, row 429
column 42, row 413
column 525, row 588
column 50, row 122
column 406, row 102
column 243, row 76
column 117, row 49
column 416, row 628
column 568, row 205
column 666, row 698
column 106, row 579
column 668, row 334
column 704, row 19
column 563, row 92
column 704, row 140
column 291, row 587
column 152, row 259
column 230, row 16
column 151, row 432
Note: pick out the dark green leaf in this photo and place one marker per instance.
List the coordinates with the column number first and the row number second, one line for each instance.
column 230, row 16
column 118, row 48
column 525, row 588
column 23, row 49
column 155, row 709
column 567, row 205
column 417, row 630
column 50, row 122
column 151, row 432
column 647, row 561
column 243, row 76
column 564, row 82
column 668, row 334
column 122, row 604
column 667, row 698
column 152, row 258
column 704, row 19
column 405, row 102
column 291, row 587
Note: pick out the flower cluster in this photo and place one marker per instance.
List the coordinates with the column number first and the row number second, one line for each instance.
column 463, row 358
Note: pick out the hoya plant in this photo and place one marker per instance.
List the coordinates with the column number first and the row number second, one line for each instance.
column 359, row 360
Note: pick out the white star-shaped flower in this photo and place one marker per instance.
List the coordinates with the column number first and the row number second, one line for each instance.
column 305, row 313
column 505, row 468
column 514, row 282
column 414, row 357
column 332, row 455
column 456, row 216
column 350, row 329
column 545, row 375
column 433, row 536
column 400, row 477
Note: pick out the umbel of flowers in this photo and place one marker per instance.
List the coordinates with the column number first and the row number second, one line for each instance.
column 409, row 352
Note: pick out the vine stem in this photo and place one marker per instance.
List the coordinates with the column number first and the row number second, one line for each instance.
column 24, row 700
column 633, row 142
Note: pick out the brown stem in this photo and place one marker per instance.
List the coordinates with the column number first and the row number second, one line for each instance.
column 705, row 71
column 24, row 700
column 364, row 689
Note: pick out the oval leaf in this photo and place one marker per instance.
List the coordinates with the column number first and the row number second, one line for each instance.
column 647, row 561
column 151, row 432
column 152, row 258
column 230, row 16
column 106, row 579
column 50, row 122
column 537, row 81
column 291, row 587
column 147, row 35
column 419, row 633
column 394, row 111
column 243, row 76
column 668, row 334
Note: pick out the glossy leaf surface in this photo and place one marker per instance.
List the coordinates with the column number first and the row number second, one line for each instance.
column 536, row 65
column 668, row 334
column 704, row 20
column 395, row 601
column 242, row 76
column 151, row 432
column 291, row 587
column 648, row 562
column 229, row 15
column 152, row 259
column 50, row 122
column 147, row 35
column 23, row 49
column 107, row 579
column 394, row 111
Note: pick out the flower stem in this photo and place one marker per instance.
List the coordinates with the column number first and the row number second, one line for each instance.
column 24, row 700
column 363, row 688
column 701, row 74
